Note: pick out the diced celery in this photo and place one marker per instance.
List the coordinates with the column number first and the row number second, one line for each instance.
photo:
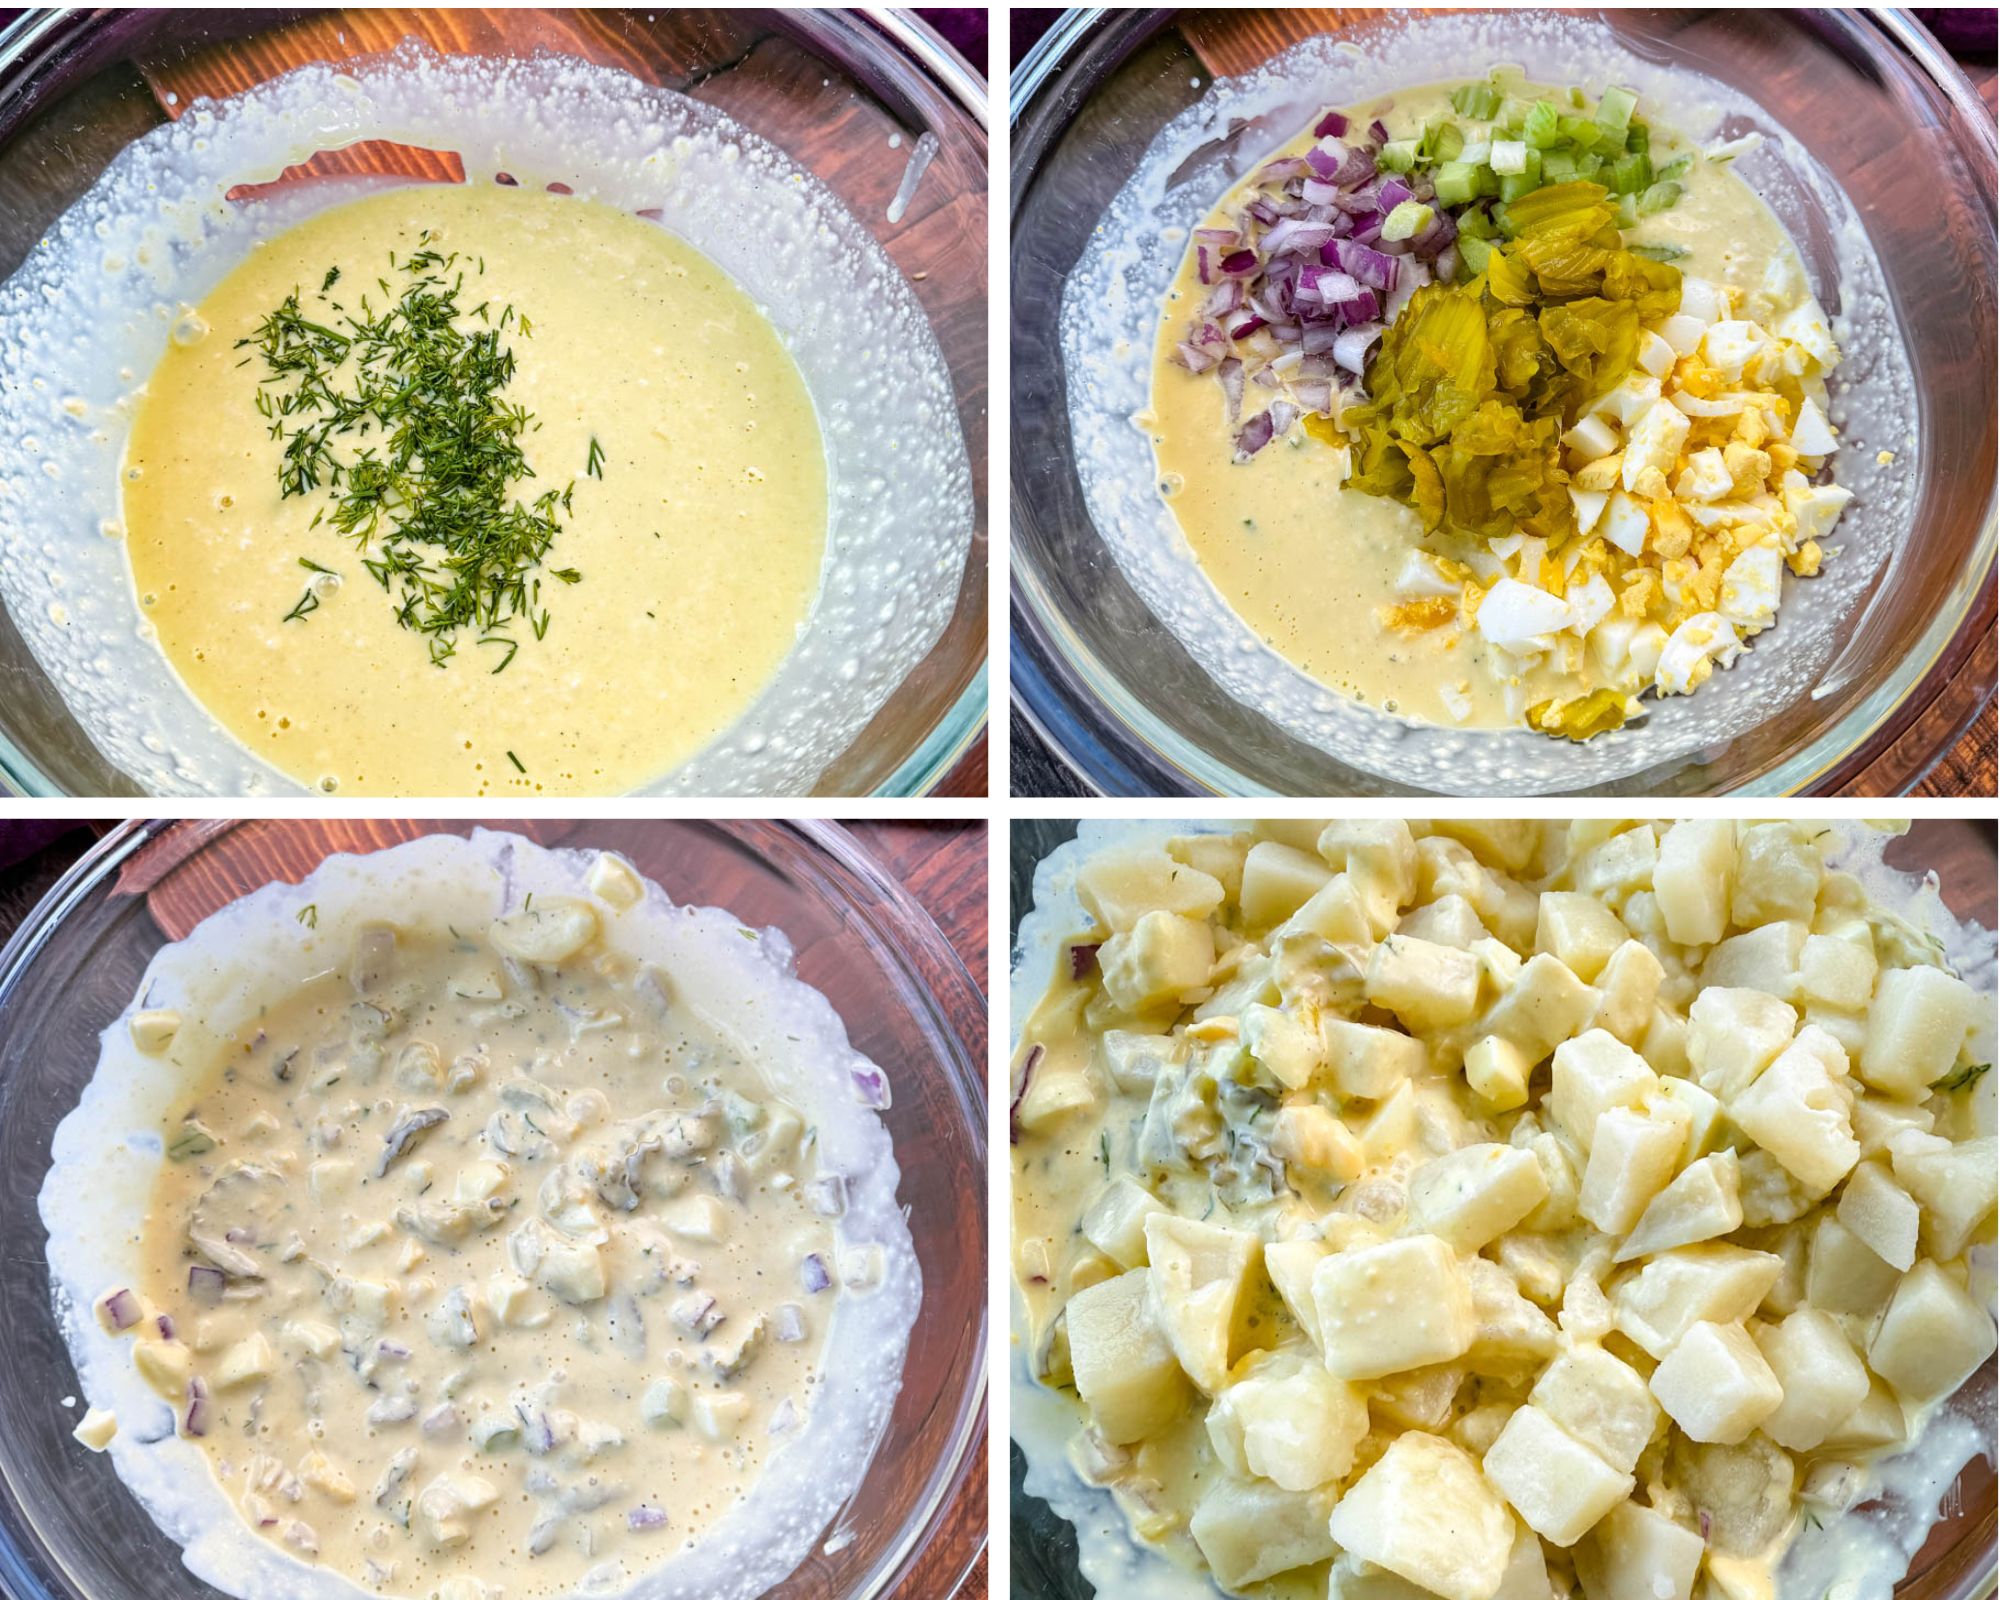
column 1676, row 168
column 1659, row 197
column 1638, row 137
column 1510, row 156
column 1579, row 131
column 1512, row 114
column 1476, row 100
column 1473, row 251
column 1516, row 184
column 1616, row 108
column 1589, row 166
column 1443, row 141
column 1407, row 221
column 1476, row 222
column 1398, row 155
column 1558, row 166
column 1541, row 125
column 1628, row 210
column 1457, row 183
column 1630, row 174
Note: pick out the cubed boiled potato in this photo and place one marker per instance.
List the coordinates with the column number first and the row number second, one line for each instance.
column 1599, row 1399
column 1503, row 843
column 1312, row 1138
column 1421, row 1398
column 1633, row 1156
column 1547, row 1004
column 1701, row 1203
column 1120, row 885
column 1836, row 972
column 1619, row 865
column 1057, row 1090
column 1875, row 1424
column 1335, row 913
column 1471, row 1196
column 1712, row 1282
column 1880, row 1213
column 1694, row 879
column 1380, row 857
column 1497, row 1070
column 1115, row 1222
column 1920, row 1017
column 1392, row 1127
column 1592, row 1073
column 1390, row 1307
column 1538, row 1265
column 1558, row 1212
column 1778, row 875
column 1800, row 1109
column 1843, row 1275
column 1428, row 986
column 1298, row 1425
column 1248, row 1529
column 1877, row 1121
column 1132, row 1061
column 1579, row 930
column 1220, row 855
column 1449, row 919
column 1289, row 1264
column 1665, row 1043
column 1367, row 1062
column 1198, row 1275
column 1277, row 880
column 1765, row 959
column 249, row 1360
column 1716, row 1384
column 1954, row 1182
column 1733, row 1035
column 1423, row 1512
column 1822, row 1376
column 1159, row 960
column 1511, row 1335
column 1288, row 1047
column 1627, row 990
column 1558, row 1484
column 1635, row 1553
column 1125, row 1369
column 1933, row 1336
column 1705, row 1119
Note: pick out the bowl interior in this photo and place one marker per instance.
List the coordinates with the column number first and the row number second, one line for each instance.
column 1866, row 97
column 863, row 103
column 67, row 1525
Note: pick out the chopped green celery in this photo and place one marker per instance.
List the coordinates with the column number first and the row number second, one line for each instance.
column 1477, row 223
column 1473, row 251
column 1590, row 166
column 1509, row 157
column 1630, row 174
column 1583, row 132
column 1541, row 125
column 1628, row 210
column 1658, row 197
column 1457, row 183
column 1513, row 113
column 1407, row 221
column 1659, row 252
column 1476, row 100
column 1615, row 109
column 1676, row 168
column 1398, row 155
column 1637, row 137
column 1516, row 184
column 1443, row 141
column 1577, row 97
column 1558, row 166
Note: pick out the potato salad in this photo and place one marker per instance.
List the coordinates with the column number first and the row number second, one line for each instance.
column 481, row 1265
column 1485, row 1209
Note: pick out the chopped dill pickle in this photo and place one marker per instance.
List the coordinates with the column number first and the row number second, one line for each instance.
column 1582, row 718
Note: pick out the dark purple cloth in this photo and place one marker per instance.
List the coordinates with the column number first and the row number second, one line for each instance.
column 964, row 28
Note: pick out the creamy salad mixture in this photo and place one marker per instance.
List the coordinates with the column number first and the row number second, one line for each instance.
column 1491, row 1209
column 1492, row 405
column 489, row 1260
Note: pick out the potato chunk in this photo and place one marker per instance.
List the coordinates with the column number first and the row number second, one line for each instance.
column 1933, row 1336
column 1287, row 1047
column 1390, row 1307
column 1424, row 1513
column 1694, row 879
column 1125, row 1369
column 1593, row 1073
column 1297, row 1425
column 1801, row 1110
column 1600, row 1400
column 1637, row 1554
column 1699, row 1283
column 1248, row 1529
column 1880, row 1213
column 1471, row 1196
column 1633, row 1154
column 1845, row 1275
column 1700, row 1204
column 1198, row 1272
column 1559, row 1485
column 1116, row 1221
column 1428, row 986
column 1920, row 1018
column 1733, row 1035
column 1579, row 930
column 1118, row 887
column 1822, row 1377
column 1716, row 1384
column 1158, row 961
column 1367, row 1062
column 1277, row 880
column 1545, row 1004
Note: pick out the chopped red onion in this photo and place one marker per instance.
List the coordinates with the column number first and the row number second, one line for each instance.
column 813, row 1274
column 1283, row 414
column 644, row 1519
column 1218, row 238
column 1253, row 436
column 196, row 1423
column 166, row 1326
column 1333, row 125
column 1315, row 394
column 390, row 1350
column 1350, row 350
column 1241, row 263
column 1394, row 192
column 1372, row 267
column 788, row 1324
column 207, row 1283
column 1231, row 374
column 1020, row 1093
column 1083, row 957
column 1378, row 131
column 871, row 1087
column 121, row 1307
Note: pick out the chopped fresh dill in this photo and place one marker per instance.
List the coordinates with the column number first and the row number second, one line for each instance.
column 310, row 916
column 1963, row 1078
column 332, row 277
column 399, row 416
column 594, row 462
column 514, row 758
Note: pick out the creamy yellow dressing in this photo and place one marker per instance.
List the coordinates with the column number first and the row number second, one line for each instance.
column 1310, row 565
column 485, row 1262
column 699, row 547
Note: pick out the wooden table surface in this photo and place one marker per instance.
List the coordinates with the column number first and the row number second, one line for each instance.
column 1230, row 42
column 941, row 864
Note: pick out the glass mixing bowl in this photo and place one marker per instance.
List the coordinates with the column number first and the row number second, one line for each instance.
column 1870, row 96
column 68, row 1528
column 77, row 87
column 1957, row 1560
